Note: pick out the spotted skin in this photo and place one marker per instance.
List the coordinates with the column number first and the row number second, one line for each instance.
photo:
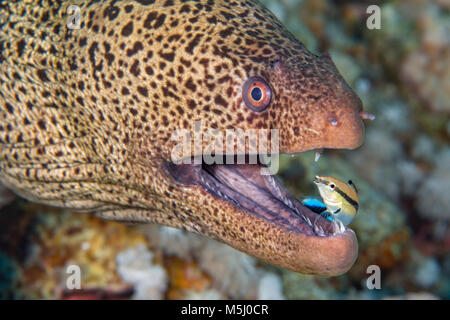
column 86, row 115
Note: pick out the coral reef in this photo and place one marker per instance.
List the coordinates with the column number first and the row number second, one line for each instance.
column 233, row 271
column 187, row 279
column 61, row 239
column 401, row 73
column 173, row 241
column 304, row 287
column 270, row 287
column 426, row 69
column 135, row 266
column 433, row 200
column 8, row 277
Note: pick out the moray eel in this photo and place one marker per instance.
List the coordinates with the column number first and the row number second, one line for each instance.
column 87, row 115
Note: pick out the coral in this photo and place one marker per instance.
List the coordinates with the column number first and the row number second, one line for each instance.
column 173, row 241
column 393, row 115
column 410, row 176
column 301, row 287
column 427, row 273
column 112, row 255
column 425, row 70
column 414, row 296
column 233, row 272
column 270, row 287
column 186, row 278
column 210, row 294
column 432, row 197
column 424, row 148
column 388, row 253
column 8, row 277
column 135, row 266
column 64, row 239
column 229, row 271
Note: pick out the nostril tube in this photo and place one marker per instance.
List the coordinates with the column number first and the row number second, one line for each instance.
column 367, row 116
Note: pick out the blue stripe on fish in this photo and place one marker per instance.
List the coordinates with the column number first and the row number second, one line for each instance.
column 314, row 205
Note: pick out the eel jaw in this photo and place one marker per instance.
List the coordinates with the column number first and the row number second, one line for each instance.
column 270, row 223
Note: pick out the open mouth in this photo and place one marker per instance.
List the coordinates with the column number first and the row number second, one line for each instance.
column 246, row 188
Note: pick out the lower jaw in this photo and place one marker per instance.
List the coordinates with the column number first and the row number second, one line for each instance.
column 267, row 222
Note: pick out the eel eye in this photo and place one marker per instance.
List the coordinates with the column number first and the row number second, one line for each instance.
column 257, row 94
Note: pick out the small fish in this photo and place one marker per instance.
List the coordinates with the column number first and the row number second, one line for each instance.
column 314, row 205
column 340, row 198
column 318, row 207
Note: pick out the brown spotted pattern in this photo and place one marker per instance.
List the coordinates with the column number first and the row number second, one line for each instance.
column 86, row 115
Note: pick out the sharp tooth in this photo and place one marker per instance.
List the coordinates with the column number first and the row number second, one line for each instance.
column 318, row 154
column 290, row 205
column 308, row 221
column 319, row 231
column 342, row 227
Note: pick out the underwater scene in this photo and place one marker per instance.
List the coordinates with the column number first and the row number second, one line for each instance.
column 92, row 206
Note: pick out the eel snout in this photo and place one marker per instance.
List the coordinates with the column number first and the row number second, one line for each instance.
column 324, row 114
column 345, row 131
column 255, row 214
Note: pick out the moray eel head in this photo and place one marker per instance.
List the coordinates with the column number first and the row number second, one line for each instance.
column 319, row 109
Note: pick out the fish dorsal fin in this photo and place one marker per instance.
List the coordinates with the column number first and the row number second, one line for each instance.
column 351, row 184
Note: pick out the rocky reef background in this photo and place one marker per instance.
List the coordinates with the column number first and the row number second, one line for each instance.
column 402, row 74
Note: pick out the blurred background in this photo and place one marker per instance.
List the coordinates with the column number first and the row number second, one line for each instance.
column 402, row 74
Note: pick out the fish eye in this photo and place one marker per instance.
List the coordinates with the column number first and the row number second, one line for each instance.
column 257, row 94
column 350, row 182
column 332, row 186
